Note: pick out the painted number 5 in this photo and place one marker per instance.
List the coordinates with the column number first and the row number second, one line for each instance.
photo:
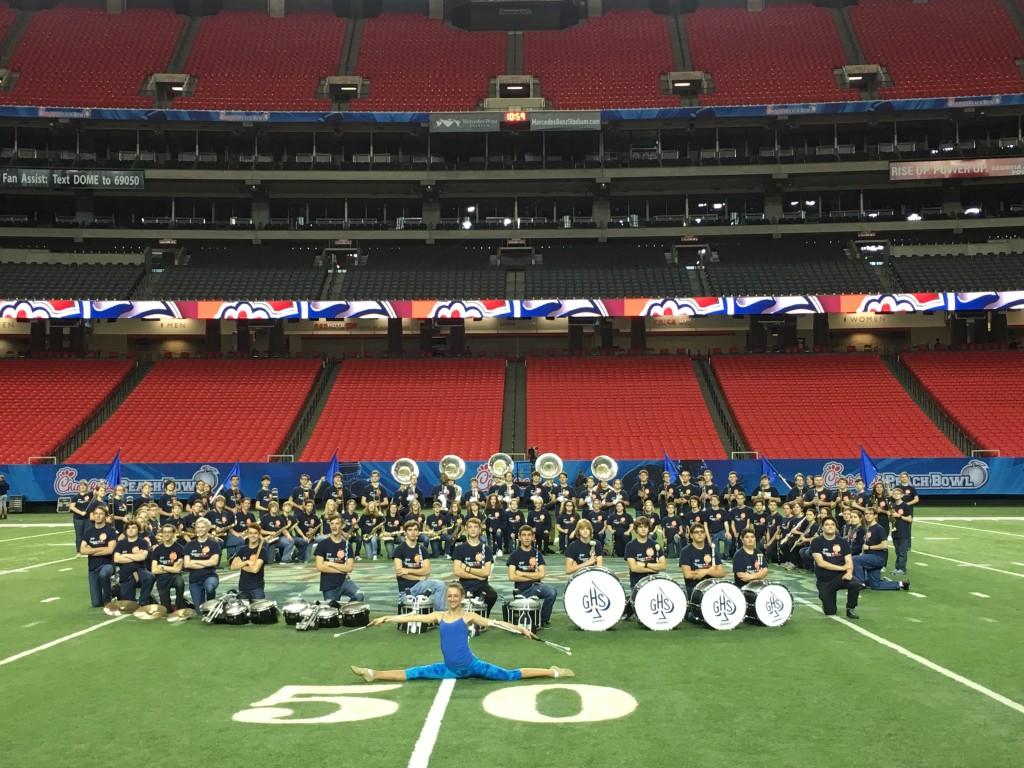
column 352, row 701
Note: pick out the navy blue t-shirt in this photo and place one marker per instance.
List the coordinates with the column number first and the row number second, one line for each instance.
column 715, row 518
column 643, row 552
column 875, row 535
column 744, row 563
column 411, row 557
column 99, row 537
column 82, row 502
column 472, row 556
column 580, row 552
column 197, row 550
column 834, row 552
column 740, row 518
column 901, row 527
column 126, row 547
column 167, row 557
column 525, row 561
column 250, row 581
column 332, row 552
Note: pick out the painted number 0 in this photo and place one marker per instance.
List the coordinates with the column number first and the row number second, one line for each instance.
column 519, row 703
column 352, row 704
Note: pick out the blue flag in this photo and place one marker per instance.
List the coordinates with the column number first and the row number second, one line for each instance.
column 868, row 470
column 231, row 473
column 768, row 469
column 332, row 468
column 670, row 467
column 114, row 473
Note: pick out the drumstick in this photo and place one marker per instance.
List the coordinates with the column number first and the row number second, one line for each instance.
column 349, row 631
column 563, row 648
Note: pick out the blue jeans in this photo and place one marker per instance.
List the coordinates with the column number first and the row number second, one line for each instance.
column 806, row 558
column 371, row 547
column 144, row 584
column 232, row 544
column 256, row 593
column 99, row 584
column 902, row 549
column 436, row 588
column 303, row 548
column 284, row 546
column 80, row 524
column 545, row 592
column 348, row 589
column 721, row 552
column 204, row 590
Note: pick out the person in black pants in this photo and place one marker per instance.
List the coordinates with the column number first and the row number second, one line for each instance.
column 833, row 568
column 472, row 563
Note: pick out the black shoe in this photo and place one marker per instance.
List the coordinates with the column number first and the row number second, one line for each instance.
column 905, row 585
column 545, row 625
column 851, row 614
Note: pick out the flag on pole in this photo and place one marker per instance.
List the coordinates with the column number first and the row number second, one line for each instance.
column 868, row 470
column 767, row 468
column 332, row 468
column 233, row 472
column 114, row 472
column 670, row 467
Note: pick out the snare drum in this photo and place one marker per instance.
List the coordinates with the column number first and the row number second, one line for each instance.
column 768, row 604
column 262, row 612
column 718, row 604
column 208, row 607
column 659, row 602
column 236, row 612
column 328, row 617
column 421, row 604
column 355, row 615
column 293, row 609
column 523, row 612
column 594, row 599
column 478, row 606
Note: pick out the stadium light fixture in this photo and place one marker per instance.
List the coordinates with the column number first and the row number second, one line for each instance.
column 810, row 203
column 470, row 209
column 794, row 203
column 972, row 211
column 914, row 217
column 718, row 206
column 507, row 221
column 467, row 224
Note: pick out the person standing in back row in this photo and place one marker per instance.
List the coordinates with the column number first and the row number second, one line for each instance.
column 902, row 514
column 5, row 488
column 98, row 543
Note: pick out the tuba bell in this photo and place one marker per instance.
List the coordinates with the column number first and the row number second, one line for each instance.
column 500, row 463
column 452, row 467
column 548, row 466
column 405, row 471
column 604, row 468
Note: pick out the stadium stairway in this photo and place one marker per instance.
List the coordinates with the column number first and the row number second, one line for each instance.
column 929, row 405
column 103, row 412
column 299, row 434
column 718, row 407
column 513, row 414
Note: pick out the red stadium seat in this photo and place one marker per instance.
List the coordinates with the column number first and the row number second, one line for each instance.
column 619, row 406
column 980, row 391
column 47, row 400
column 423, row 409
column 205, row 410
column 825, row 406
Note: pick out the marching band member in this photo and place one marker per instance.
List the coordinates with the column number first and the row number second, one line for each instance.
column 651, row 513
column 250, row 561
column 733, row 489
column 708, row 487
column 302, row 492
column 265, row 495
column 881, row 502
column 131, row 553
column 507, row 489
column 867, row 566
column 221, row 519
column 766, row 492
column 166, row 561
column 697, row 561
column 774, row 530
column 336, row 492
column 370, row 525
column 168, row 500
column 903, row 517
column 560, row 493
column 472, row 563
column 392, row 528
column 145, row 496
column 274, row 527
column 643, row 556
column 119, row 508
column 98, row 543
column 685, row 488
column 833, row 569
column 798, row 539
column 335, row 565
column 350, row 529
column 374, row 491
column 738, row 520
column 233, row 494
column 566, row 522
column 202, row 555
column 235, row 537
column 644, row 490
column 820, row 497
column 80, row 516
column 718, row 527
column 459, row 661
column 5, row 488
column 583, row 551
column 412, row 566
column 748, row 564
column 201, row 494
column 307, row 526
column 437, row 528
column 526, row 572
column 495, row 517
column 540, row 520
column 474, row 493
column 621, row 523
column 670, row 523
column 799, row 489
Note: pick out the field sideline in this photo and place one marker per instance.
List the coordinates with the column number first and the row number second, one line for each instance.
column 928, row 678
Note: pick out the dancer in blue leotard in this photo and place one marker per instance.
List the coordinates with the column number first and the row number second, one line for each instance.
column 459, row 661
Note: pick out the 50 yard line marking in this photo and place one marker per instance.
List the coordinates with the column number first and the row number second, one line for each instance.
column 965, row 564
column 1016, row 706
column 976, row 530
column 33, row 536
column 432, row 727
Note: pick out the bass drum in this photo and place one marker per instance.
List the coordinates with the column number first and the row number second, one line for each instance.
column 768, row 604
column 594, row 599
column 718, row 604
column 263, row 612
column 659, row 603
column 355, row 615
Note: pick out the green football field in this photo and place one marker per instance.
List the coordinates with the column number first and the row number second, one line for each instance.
column 933, row 677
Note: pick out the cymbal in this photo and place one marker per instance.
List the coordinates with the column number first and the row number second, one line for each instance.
column 120, row 607
column 183, row 615
column 150, row 612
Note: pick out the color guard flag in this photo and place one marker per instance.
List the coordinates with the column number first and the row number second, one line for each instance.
column 868, row 470
column 332, row 468
column 670, row 467
column 114, row 473
column 767, row 468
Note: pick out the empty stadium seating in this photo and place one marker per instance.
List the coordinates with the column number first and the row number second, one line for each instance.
column 6, row 18
column 628, row 408
column 85, row 57
column 237, row 283
column 940, row 48
column 205, row 410
column 45, row 401
column 66, row 281
column 248, row 60
column 960, row 272
column 825, row 406
column 981, row 391
column 415, row 63
column 386, row 409
column 607, row 62
column 783, row 53
column 371, row 284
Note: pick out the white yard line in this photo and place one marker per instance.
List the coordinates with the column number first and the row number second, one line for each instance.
column 432, row 727
column 964, row 518
column 963, row 563
column 59, row 640
column 927, row 663
column 66, row 526
column 49, row 600
column 971, row 528
column 980, row 594
column 916, row 594
column 37, row 565
column 33, row 536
